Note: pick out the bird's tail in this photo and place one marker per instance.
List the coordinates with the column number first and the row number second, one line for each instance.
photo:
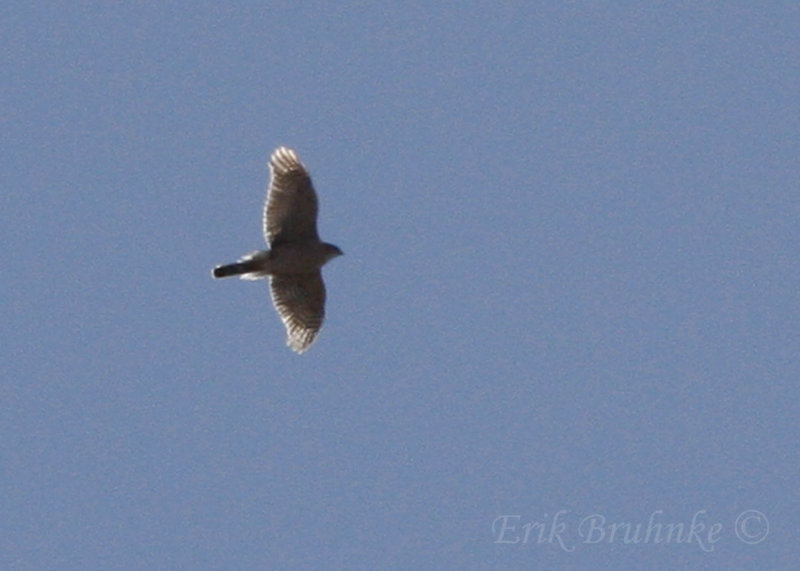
column 251, row 267
column 231, row 270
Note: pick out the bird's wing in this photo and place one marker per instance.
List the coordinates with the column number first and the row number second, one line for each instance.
column 300, row 301
column 290, row 211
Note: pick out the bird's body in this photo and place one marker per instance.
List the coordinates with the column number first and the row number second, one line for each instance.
column 296, row 253
column 288, row 258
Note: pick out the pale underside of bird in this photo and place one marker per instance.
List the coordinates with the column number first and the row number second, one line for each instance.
column 296, row 254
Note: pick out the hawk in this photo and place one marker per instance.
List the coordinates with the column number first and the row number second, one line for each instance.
column 296, row 254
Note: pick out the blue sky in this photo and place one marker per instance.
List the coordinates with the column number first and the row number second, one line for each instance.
column 568, row 300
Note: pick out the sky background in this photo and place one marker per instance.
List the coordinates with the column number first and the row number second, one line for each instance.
column 569, row 291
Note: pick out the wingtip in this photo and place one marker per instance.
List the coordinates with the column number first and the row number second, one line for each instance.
column 284, row 158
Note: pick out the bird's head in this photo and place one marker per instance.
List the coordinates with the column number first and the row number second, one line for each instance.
column 332, row 252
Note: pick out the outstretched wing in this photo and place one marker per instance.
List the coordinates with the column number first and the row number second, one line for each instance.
column 290, row 211
column 300, row 301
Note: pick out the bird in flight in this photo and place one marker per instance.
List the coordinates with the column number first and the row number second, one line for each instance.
column 296, row 254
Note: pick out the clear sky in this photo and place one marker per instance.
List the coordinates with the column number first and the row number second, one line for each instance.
column 568, row 302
